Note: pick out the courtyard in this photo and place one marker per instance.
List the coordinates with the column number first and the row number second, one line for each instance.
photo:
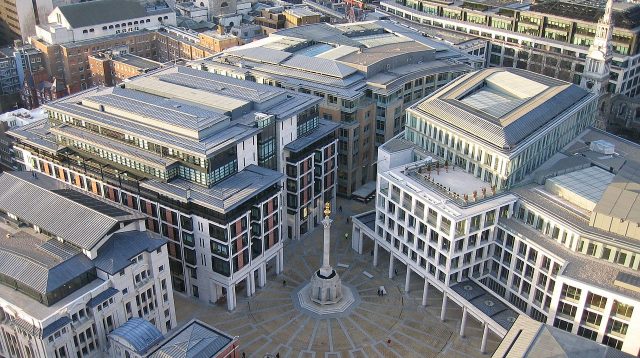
column 393, row 325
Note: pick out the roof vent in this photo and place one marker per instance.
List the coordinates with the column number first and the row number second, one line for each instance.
column 602, row 146
column 467, row 288
column 489, row 303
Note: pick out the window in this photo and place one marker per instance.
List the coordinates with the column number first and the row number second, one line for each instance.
column 571, row 292
column 591, row 318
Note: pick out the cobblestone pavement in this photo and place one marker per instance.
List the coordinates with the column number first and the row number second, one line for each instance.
column 395, row 325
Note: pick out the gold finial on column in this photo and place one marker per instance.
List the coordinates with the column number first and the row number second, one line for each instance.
column 327, row 209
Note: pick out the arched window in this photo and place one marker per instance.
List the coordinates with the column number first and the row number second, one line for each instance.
column 224, row 4
column 148, row 20
column 110, row 27
column 85, row 31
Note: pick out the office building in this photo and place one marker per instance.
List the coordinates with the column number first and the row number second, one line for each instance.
column 548, row 37
column 206, row 157
column 552, row 234
column 365, row 74
column 73, row 268
column 500, row 125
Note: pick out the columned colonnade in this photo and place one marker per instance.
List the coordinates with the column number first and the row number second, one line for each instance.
column 250, row 279
column 359, row 233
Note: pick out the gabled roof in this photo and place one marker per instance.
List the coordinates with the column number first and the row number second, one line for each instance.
column 194, row 340
column 78, row 217
column 139, row 334
column 99, row 12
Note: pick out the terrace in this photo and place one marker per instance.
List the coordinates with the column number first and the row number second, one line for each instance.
column 453, row 183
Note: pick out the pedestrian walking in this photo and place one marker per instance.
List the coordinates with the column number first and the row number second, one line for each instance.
column 346, row 236
column 243, row 355
column 340, row 208
column 395, row 271
column 389, row 342
column 284, row 283
column 371, row 252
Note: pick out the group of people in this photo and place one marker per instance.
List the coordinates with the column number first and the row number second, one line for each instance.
column 381, row 291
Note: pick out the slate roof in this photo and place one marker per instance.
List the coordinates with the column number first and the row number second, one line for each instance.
column 82, row 221
column 507, row 130
column 104, row 11
column 116, row 254
column 138, row 333
column 102, row 296
column 55, row 326
column 194, row 340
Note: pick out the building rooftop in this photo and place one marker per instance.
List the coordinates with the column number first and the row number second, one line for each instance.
column 300, row 11
column 324, row 129
column 37, row 261
column 116, row 254
column 440, row 189
column 137, row 61
column 486, row 302
column 625, row 14
column 139, row 334
column 194, row 339
column 337, row 58
column 588, row 185
column 79, row 218
column 224, row 196
column 529, row 338
column 99, row 12
column 580, row 267
column 501, row 107
column 199, row 112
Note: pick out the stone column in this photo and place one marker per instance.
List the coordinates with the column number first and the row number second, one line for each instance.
column 231, row 297
column 390, row 264
column 443, row 312
column 281, row 257
column 463, row 322
column 425, row 292
column 326, row 269
column 277, row 263
column 262, row 275
column 485, row 334
column 375, row 253
column 407, row 279
column 248, row 284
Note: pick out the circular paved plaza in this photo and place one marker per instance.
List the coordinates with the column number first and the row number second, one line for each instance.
column 395, row 325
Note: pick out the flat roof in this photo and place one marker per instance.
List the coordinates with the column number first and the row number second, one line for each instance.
column 589, row 183
column 486, row 302
column 434, row 188
column 501, row 106
column 137, row 61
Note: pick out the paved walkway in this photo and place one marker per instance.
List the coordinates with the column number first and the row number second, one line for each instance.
column 268, row 322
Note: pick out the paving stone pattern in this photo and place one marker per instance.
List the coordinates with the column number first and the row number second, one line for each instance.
column 269, row 322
